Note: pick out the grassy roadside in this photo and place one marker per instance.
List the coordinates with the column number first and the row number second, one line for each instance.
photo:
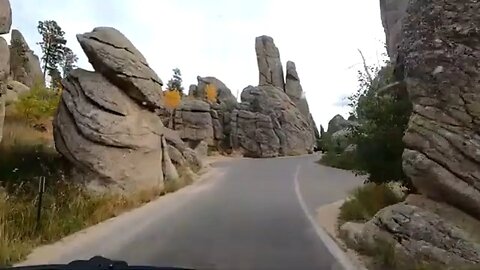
column 67, row 208
column 26, row 154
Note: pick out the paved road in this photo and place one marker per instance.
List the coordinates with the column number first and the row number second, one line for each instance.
column 253, row 216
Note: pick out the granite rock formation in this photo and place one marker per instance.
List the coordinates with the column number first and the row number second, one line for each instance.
column 106, row 124
column 24, row 64
column 439, row 54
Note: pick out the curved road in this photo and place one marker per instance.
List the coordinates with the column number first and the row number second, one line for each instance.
column 251, row 214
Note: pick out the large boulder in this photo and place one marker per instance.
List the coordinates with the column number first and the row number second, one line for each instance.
column 101, row 126
column 420, row 230
column 254, row 134
column 338, row 123
column 441, row 52
column 274, row 119
column 105, row 133
column 5, row 16
column 194, row 121
column 269, row 64
column 24, row 64
column 14, row 90
column 113, row 55
column 393, row 12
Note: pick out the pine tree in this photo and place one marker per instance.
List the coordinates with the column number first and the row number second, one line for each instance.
column 52, row 44
column 68, row 62
column 175, row 83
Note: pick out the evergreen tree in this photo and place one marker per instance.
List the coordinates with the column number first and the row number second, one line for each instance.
column 68, row 62
column 52, row 44
column 175, row 83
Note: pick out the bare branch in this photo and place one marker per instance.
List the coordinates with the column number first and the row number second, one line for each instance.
column 370, row 79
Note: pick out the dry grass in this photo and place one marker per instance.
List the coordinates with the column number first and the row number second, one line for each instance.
column 27, row 154
column 67, row 208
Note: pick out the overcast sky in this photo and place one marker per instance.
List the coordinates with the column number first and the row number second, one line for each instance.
column 216, row 38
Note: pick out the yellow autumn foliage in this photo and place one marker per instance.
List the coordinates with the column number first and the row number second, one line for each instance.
column 172, row 99
column 211, row 93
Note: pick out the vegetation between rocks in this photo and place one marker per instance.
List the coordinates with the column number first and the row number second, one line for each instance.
column 364, row 202
column 381, row 108
column 38, row 103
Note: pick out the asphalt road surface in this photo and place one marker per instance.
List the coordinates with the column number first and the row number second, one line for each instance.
column 255, row 214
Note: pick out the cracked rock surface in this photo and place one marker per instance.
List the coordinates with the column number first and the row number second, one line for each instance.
column 24, row 63
column 268, row 124
column 115, row 57
column 194, row 121
column 424, row 230
column 104, row 124
column 269, row 64
column 439, row 54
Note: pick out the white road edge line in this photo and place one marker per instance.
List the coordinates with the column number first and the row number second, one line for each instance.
column 336, row 252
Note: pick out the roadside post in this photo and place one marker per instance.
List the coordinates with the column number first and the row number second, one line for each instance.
column 41, row 190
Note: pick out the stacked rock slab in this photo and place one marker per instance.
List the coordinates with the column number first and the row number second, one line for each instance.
column 105, row 124
column 5, row 24
column 440, row 55
column 193, row 121
column 221, row 109
column 24, row 64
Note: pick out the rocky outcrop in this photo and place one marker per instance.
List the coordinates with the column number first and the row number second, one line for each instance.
column 339, row 131
column 294, row 90
column 221, row 109
column 192, row 90
column 338, row 123
column 273, row 118
column 5, row 16
column 24, row 64
column 269, row 64
column 5, row 23
column 393, row 12
column 194, row 121
column 113, row 55
column 442, row 140
column 425, row 233
column 225, row 98
column 104, row 124
column 268, row 124
column 439, row 55
column 254, row 133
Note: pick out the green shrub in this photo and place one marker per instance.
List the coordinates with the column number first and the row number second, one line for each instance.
column 364, row 202
column 345, row 161
column 38, row 103
column 383, row 117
